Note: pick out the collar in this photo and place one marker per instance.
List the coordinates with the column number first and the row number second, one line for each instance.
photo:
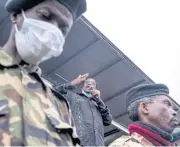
column 88, row 95
column 154, row 135
column 82, row 94
column 163, row 134
column 7, row 61
column 91, row 98
column 141, row 139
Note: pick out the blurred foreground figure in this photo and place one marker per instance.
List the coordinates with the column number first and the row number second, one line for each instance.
column 31, row 114
column 153, row 116
column 176, row 137
column 89, row 111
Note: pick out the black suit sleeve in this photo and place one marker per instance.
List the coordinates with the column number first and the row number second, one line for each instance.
column 65, row 89
column 105, row 112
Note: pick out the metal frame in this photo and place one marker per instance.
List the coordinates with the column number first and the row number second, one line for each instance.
column 119, row 126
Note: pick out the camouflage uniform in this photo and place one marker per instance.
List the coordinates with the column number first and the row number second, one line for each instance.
column 135, row 140
column 30, row 113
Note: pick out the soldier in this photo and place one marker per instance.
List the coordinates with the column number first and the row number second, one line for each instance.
column 153, row 116
column 30, row 112
column 89, row 111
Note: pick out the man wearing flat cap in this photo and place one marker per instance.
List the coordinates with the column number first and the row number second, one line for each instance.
column 151, row 110
column 32, row 114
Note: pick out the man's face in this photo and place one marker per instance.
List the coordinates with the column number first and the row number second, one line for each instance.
column 50, row 11
column 162, row 114
column 89, row 85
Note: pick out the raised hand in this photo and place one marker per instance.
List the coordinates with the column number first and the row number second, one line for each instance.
column 80, row 79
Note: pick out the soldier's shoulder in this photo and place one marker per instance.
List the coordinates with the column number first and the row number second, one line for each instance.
column 50, row 88
column 125, row 141
column 58, row 95
column 120, row 141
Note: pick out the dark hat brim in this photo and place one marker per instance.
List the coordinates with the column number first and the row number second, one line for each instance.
column 145, row 90
column 76, row 7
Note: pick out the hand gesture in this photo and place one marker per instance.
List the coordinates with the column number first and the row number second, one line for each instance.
column 79, row 80
column 96, row 93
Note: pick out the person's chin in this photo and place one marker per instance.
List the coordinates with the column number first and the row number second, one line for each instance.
column 171, row 128
column 87, row 91
column 174, row 123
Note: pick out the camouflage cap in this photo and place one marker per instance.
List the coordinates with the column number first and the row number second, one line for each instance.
column 76, row 7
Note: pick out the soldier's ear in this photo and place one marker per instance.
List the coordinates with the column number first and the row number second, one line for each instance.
column 14, row 16
column 144, row 108
column 17, row 18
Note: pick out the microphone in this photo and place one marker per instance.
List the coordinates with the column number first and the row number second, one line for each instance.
column 96, row 96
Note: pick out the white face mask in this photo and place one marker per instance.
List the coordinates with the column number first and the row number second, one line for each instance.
column 38, row 41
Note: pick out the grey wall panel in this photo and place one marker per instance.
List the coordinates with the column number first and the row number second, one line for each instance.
column 3, row 12
column 80, row 38
column 109, row 128
column 116, row 78
column 55, row 79
column 124, row 120
column 5, row 29
column 117, row 105
column 92, row 60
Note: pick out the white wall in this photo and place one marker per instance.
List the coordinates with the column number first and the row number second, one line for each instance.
column 148, row 32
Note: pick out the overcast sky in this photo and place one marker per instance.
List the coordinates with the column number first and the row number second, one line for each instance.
column 147, row 31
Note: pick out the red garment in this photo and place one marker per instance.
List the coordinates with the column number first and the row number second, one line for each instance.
column 154, row 138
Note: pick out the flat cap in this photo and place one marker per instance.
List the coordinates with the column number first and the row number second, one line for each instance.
column 76, row 7
column 146, row 90
column 176, row 134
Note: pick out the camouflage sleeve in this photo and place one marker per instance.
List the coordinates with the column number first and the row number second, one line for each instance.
column 125, row 141
column 117, row 143
column 120, row 142
column 66, row 90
